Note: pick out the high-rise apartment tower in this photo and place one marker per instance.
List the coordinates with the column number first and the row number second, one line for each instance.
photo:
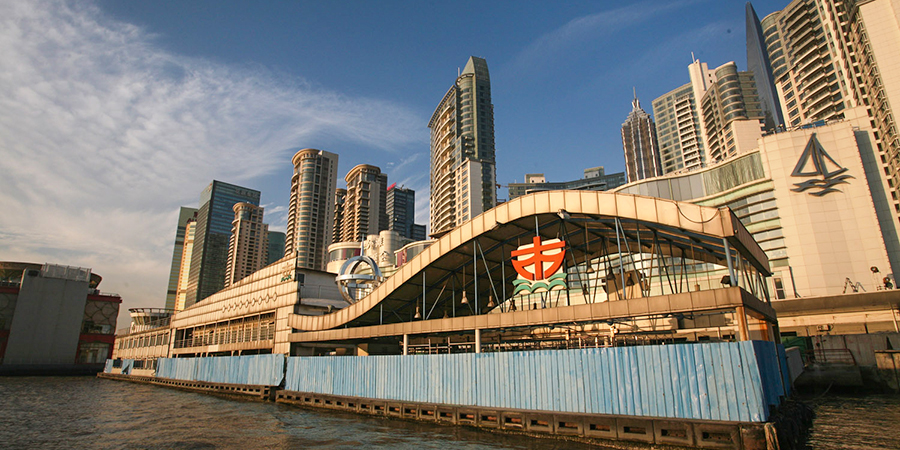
column 678, row 130
column 365, row 204
column 311, row 210
column 249, row 243
column 463, row 167
column 831, row 55
column 730, row 115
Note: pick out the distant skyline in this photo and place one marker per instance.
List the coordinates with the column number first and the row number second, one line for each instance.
column 114, row 114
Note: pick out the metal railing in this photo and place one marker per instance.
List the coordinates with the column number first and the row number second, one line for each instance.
column 831, row 356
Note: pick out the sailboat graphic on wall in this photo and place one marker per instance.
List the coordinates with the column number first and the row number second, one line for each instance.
column 823, row 165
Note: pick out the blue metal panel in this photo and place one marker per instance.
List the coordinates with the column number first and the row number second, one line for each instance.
column 252, row 369
column 721, row 381
column 756, row 409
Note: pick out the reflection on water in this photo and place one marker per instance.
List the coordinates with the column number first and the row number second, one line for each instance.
column 89, row 413
column 86, row 412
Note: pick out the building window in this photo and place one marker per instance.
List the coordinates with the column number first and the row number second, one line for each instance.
column 779, row 288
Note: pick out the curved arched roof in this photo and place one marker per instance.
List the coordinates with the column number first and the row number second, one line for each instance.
column 587, row 220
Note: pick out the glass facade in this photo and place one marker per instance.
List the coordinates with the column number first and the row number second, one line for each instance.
column 739, row 184
column 212, row 235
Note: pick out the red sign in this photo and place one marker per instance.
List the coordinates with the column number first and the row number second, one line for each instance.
column 556, row 252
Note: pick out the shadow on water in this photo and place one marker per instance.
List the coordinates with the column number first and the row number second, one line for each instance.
column 62, row 412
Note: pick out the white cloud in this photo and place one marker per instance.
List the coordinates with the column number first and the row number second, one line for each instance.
column 103, row 135
column 584, row 30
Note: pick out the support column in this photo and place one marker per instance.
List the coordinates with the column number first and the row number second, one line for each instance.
column 405, row 344
column 743, row 327
column 731, row 276
column 894, row 316
column 477, row 340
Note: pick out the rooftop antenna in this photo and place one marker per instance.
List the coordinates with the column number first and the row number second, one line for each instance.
column 692, row 57
column 458, row 72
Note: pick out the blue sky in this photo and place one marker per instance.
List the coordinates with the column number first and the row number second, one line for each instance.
column 115, row 113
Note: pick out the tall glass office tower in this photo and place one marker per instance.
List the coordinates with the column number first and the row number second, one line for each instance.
column 212, row 236
column 758, row 63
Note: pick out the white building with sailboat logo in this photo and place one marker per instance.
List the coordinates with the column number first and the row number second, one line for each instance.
column 813, row 198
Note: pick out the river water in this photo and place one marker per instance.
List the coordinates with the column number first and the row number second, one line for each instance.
column 90, row 413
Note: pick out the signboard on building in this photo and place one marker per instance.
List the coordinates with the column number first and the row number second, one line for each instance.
column 538, row 265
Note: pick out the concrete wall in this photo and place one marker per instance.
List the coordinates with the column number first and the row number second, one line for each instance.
column 862, row 346
column 47, row 321
column 834, row 236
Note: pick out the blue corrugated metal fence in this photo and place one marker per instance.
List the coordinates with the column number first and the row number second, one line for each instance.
column 267, row 370
column 717, row 381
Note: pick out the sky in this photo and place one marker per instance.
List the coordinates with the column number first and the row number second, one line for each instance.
column 115, row 113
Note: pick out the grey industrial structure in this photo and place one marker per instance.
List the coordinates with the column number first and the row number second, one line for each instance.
column 54, row 320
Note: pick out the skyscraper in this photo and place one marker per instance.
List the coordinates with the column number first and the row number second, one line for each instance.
column 365, row 204
column 731, row 117
column 831, row 55
column 184, row 266
column 185, row 215
column 639, row 142
column 311, row 210
column 275, row 249
column 808, row 74
column 249, row 243
column 401, row 210
column 759, row 65
column 678, row 130
column 340, row 200
column 209, row 257
column 463, row 167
